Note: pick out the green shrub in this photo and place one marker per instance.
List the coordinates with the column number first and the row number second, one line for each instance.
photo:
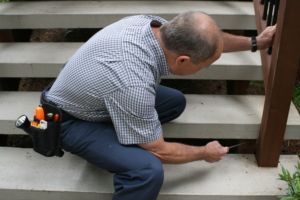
column 4, row 1
column 293, row 182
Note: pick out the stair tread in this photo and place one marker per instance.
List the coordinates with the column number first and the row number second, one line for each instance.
column 44, row 60
column 206, row 116
column 95, row 14
column 235, row 176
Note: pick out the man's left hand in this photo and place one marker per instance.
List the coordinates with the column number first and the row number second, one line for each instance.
column 265, row 39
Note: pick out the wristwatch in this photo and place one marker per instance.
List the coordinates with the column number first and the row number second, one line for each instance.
column 253, row 44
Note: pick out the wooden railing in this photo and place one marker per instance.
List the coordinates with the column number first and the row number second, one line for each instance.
column 280, row 71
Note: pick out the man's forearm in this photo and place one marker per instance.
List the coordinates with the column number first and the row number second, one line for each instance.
column 176, row 153
column 242, row 43
column 235, row 42
column 170, row 152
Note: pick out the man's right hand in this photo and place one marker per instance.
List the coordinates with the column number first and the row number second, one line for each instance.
column 214, row 151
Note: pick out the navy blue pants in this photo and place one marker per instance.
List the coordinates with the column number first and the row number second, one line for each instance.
column 138, row 174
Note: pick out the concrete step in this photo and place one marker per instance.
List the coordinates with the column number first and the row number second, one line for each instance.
column 46, row 60
column 96, row 14
column 206, row 116
column 27, row 175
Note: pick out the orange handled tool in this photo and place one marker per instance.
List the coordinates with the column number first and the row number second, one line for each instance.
column 39, row 113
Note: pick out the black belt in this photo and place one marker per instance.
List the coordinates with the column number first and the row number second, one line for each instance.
column 64, row 115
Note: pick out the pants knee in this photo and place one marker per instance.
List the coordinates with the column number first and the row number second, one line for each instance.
column 142, row 183
column 181, row 103
column 155, row 174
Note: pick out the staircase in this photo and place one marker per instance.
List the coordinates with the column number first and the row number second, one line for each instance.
column 27, row 175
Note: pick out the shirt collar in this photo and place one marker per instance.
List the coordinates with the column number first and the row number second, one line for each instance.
column 158, row 52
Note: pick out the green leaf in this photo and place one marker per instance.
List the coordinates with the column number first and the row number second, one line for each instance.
column 293, row 182
column 288, row 198
column 285, row 175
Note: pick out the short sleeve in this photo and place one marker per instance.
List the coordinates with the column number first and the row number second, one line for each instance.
column 133, row 114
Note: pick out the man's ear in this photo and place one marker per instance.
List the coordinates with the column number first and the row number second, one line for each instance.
column 182, row 60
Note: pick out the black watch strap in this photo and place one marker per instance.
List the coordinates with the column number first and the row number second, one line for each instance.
column 253, row 44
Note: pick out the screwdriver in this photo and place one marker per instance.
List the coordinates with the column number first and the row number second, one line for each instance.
column 237, row 145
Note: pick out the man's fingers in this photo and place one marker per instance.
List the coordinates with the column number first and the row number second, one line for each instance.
column 273, row 30
column 225, row 150
column 215, row 151
column 265, row 39
column 270, row 30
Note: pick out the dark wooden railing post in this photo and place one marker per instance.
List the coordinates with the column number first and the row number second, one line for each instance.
column 280, row 79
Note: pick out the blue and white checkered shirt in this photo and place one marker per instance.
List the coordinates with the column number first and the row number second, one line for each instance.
column 114, row 76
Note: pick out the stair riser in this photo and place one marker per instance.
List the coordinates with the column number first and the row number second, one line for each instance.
column 92, row 14
column 42, row 195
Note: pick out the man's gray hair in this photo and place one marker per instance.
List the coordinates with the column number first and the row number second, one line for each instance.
column 181, row 35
